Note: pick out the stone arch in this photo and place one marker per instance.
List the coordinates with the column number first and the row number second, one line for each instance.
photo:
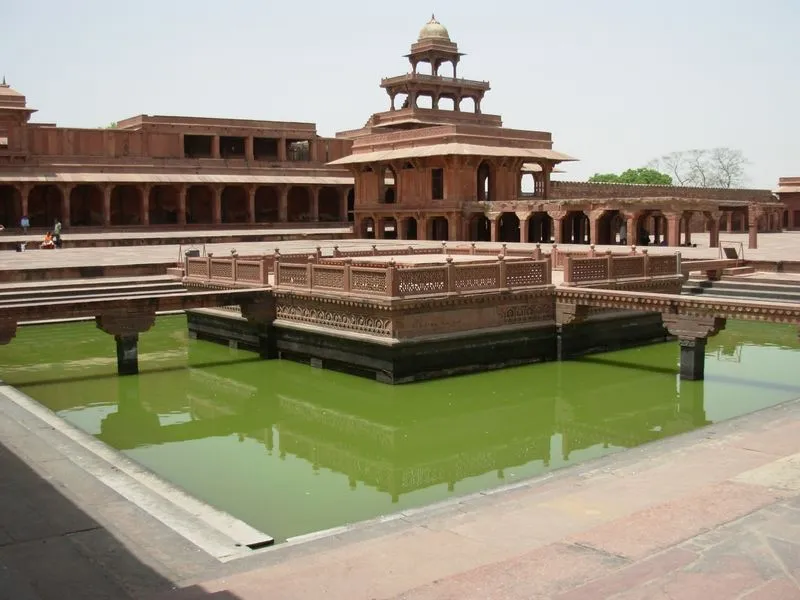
column 610, row 227
column 163, row 205
column 267, row 204
column 409, row 228
column 388, row 229
column 86, row 206
column 424, row 101
column 575, row 228
column 400, row 101
column 540, row 227
column 10, row 206
column 199, row 204
column 485, row 182
column 508, row 227
column 126, row 205
column 527, row 184
column 389, row 195
column 44, row 205
column 351, row 205
column 298, row 204
column 480, row 228
column 367, row 228
column 447, row 102
column 438, row 229
column 329, row 204
column 235, row 203
column 467, row 104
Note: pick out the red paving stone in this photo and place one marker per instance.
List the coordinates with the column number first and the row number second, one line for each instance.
column 662, row 526
column 632, row 576
column 777, row 589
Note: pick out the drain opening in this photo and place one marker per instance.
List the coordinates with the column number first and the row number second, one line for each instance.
column 261, row 544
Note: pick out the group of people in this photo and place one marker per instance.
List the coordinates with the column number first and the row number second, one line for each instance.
column 52, row 239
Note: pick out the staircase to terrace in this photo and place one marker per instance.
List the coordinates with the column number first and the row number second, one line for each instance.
column 77, row 290
column 744, row 283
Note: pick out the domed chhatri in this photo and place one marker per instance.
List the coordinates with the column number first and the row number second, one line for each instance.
column 433, row 30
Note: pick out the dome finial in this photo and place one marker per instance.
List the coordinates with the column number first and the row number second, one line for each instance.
column 4, row 84
column 433, row 30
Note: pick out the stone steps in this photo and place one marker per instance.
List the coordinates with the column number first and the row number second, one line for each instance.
column 764, row 290
column 738, row 271
column 85, row 289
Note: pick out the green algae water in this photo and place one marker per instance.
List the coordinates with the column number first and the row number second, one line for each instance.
column 292, row 450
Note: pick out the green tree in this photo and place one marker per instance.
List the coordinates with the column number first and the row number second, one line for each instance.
column 112, row 125
column 642, row 176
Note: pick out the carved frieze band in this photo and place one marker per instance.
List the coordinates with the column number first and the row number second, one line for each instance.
column 688, row 328
column 125, row 324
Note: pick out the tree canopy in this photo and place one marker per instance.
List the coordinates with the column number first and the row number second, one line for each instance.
column 643, row 175
column 715, row 167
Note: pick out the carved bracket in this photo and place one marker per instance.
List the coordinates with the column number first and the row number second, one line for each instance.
column 8, row 330
column 125, row 324
column 686, row 327
column 568, row 312
column 260, row 311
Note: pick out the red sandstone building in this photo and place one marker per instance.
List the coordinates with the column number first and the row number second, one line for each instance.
column 158, row 170
column 433, row 166
column 789, row 193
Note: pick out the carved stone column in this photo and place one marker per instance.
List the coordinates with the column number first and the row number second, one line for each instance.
column 314, row 203
column 558, row 222
column 251, row 202
column 753, row 215
column 66, row 191
column 283, row 204
column 107, row 189
column 524, row 218
column 712, row 220
column 144, row 205
column 126, row 327
column 673, row 229
column 494, row 221
column 182, row 204
column 630, row 227
column 216, row 204
column 594, row 227
column 692, row 334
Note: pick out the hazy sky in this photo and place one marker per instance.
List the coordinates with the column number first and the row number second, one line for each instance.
column 617, row 82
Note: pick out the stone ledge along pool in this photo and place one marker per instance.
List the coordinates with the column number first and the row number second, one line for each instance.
column 291, row 450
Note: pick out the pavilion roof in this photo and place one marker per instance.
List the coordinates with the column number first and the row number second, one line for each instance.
column 452, row 149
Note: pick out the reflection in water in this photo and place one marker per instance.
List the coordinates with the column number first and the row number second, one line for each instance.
column 291, row 449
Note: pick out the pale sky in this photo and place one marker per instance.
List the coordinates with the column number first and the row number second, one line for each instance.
column 617, row 82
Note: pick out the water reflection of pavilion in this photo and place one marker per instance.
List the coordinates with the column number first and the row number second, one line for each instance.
column 411, row 437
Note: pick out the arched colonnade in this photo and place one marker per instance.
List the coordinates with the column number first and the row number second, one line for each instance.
column 123, row 204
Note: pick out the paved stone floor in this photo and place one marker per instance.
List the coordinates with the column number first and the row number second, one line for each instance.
column 773, row 246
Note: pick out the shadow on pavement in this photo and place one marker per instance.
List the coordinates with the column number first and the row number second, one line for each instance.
column 51, row 549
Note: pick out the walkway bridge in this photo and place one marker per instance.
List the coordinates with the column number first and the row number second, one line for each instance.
column 122, row 309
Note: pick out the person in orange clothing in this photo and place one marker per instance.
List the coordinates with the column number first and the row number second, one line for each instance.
column 48, row 243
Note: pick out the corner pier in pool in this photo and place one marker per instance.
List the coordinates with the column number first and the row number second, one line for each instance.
column 413, row 313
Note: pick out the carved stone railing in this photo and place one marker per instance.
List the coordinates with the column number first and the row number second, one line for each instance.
column 392, row 280
column 228, row 270
column 611, row 267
